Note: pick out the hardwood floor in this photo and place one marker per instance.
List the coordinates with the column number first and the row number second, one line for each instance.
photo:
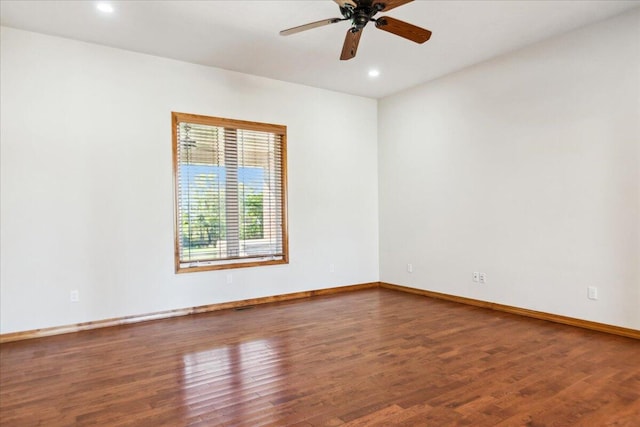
column 367, row 358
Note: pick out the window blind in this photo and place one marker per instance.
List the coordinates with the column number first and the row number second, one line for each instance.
column 230, row 179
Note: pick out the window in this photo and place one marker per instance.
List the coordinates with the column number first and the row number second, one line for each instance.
column 230, row 193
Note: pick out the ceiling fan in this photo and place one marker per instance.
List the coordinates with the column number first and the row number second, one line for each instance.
column 360, row 13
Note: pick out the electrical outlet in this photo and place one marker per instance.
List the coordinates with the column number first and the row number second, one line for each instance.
column 476, row 276
column 410, row 268
column 483, row 278
column 332, row 268
column 74, row 296
column 229, row 278
column 592, row 292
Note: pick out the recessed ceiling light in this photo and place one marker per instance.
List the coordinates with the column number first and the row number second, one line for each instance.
column 104, row 7
column 374, row 73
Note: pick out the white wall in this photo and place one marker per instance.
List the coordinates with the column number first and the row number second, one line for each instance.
column 87, row 197
column 526, row 167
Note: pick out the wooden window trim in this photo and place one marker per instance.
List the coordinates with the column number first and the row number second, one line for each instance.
column 279, row 130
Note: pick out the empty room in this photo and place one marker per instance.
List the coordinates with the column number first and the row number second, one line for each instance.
column 320, row 213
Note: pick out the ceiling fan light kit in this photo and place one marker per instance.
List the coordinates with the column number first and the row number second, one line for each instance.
column 360, row 13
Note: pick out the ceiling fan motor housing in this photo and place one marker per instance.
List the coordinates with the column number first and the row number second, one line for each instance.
column 360, row 19
column 361, row 15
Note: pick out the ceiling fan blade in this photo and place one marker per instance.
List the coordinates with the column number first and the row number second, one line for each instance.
column 390, row 4
column 310, row 26
column 342, row 3
column 350, row 46
column 403, row 29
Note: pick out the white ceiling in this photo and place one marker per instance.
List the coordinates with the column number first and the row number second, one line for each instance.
column 243, row 35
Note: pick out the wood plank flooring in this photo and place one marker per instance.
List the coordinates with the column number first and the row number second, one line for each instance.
column 368, row 358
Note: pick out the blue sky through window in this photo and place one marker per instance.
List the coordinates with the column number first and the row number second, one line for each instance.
column 252, row 178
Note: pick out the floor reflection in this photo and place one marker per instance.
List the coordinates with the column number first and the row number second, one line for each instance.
column 222, row 383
